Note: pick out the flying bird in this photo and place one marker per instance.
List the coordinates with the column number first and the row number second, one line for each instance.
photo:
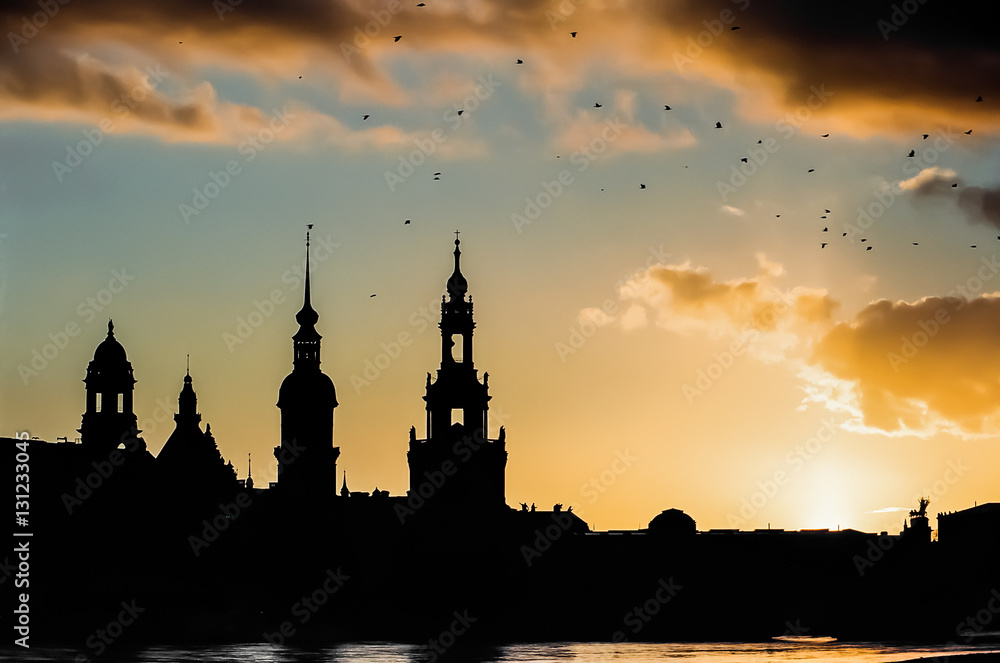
column 979, row 98
column 825, row 229
column 825, row 136
column 973, row 246
column 596, row 105
column 406, row 223
column 915, row 244
column 777, row 216
column 642, row 186
column 868, row 249
column 823, row 245
column 968, row 132
column 370, row 296
column 461, row 111
column 573, row 35
column 827, row 211
column 925, row 136
column 735, row 27
column 665, row 107
column 520, row 61
column 912, row 153
column 300, row 78
column 823, row 217
column 397, row 38
column 844, row 235
column 954, row 185
column 718, row 125
column 437, row 173
column 744, row 159
column 366, row 117
column 811, row 170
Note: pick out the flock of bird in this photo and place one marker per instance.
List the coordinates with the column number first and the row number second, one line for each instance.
column 912, row 154
column 718, row 125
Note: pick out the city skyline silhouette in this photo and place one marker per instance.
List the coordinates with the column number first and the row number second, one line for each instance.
column 682, row 221
column 451, row 550
column 500, row 323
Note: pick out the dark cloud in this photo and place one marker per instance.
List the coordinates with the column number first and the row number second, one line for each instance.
column 981, row 204
column 925, row 67
column 978, row 204
column 934, row 63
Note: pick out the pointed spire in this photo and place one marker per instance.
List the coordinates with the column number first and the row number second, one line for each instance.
column 249, row 482
column 307, row 317
column 344, row 492
column 457, row 285
column 306, row 347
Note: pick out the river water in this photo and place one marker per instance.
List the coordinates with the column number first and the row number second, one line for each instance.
column 815, row 651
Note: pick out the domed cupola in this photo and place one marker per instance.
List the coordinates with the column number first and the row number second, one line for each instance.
column 109, row 419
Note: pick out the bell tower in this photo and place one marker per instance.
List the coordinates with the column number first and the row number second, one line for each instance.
column 457, row 405
column 109, row 420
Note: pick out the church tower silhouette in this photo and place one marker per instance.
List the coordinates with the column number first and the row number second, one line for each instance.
column 193, row 454
column 307, row 459
column 457, row 405
column 109, row 419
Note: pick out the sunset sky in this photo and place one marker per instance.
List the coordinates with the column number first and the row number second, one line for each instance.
column 660, row 321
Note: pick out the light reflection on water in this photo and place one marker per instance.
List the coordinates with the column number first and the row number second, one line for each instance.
column 386, row 652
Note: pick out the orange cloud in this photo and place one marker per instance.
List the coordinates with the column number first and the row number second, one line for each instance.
column 906, row 77
column 775, row 323
column 916, row 368
column 895, row 368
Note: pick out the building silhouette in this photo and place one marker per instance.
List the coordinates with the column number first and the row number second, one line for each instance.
column 194, row 455
column 212, row 558
column 109, row 417
column 307, row 459
column 457, row 405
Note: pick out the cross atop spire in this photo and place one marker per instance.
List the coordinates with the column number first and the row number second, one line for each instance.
column 457, row 285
